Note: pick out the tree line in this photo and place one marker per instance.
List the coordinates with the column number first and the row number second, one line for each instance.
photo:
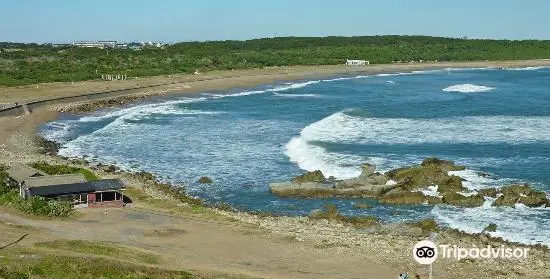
column 33, row 63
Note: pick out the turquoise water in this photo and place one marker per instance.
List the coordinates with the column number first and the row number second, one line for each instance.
column 491, row 120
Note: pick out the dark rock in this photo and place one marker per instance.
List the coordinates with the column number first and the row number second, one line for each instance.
column 205, row 180
column 450, row 184
column 521, row 193
column 457, row 199
column 417, row 177
column 47, row 146
column 110, row 169
column 147, row 176
column 490, row 228
column 445, row 165
column 312, row 176
column 367, row 170
column 405, row 197
column 427, row 225
column 488, row 192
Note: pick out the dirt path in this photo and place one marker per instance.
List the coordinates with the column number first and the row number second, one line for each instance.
column 206, row 245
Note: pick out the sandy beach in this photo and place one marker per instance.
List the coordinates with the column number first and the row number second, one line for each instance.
column 238, row 243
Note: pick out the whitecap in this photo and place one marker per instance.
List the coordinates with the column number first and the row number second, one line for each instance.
column 342, row 128
column 293, row 86
column 468, row 88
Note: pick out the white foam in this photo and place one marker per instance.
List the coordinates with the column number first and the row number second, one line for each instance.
column 310, row 157
column 239, row 94
column 468, row 88
column 519, row 224
column 337, row 79
column 293, row 86
column 527, row 68
column 474, row 181
column 391, row 182
column 431, row 191
column 342, row 128
column 62, row 128
column 297, row 95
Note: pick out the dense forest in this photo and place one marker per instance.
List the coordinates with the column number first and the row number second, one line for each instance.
column 32, row 63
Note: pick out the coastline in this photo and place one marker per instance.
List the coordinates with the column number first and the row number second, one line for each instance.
column 222, row 80
column 18, row 145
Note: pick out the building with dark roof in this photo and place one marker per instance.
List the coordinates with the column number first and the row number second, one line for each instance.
column 98, row 193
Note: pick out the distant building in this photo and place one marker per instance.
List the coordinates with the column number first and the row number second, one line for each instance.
column 97, row 44
column 350, row 62
column 121, row 46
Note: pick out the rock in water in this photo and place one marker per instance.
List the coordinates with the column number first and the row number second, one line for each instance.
column 408, row 198
column 457, row 199
column 445, row 165
column 488, row 192
column 452, row 183
column 367, row 170
column 524, row 194
column 205, row 180
column 490, row 228
column 312, row 176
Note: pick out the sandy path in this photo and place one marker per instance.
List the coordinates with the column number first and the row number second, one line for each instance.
column 208, row 245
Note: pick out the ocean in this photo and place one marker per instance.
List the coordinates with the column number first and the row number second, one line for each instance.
column 491, row 120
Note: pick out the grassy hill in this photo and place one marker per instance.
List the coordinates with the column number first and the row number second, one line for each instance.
column 32, row 63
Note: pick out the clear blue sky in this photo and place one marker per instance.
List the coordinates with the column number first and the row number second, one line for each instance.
column 184, row 20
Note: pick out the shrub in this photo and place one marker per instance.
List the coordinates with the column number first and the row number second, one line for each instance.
column 41, row 207
column 64, row 169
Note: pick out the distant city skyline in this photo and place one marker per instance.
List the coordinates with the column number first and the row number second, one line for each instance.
column 59, row 21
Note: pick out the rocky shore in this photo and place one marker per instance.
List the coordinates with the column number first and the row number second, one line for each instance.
column 406, row 185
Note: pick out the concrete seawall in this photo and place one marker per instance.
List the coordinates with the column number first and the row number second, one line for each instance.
column 22, row 109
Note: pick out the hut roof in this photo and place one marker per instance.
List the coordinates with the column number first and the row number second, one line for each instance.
column 86, row 187
column 20, row 172
column 50, row 180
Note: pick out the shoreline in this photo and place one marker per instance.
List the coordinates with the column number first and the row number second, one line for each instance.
column 17, row 144
column 181, row 85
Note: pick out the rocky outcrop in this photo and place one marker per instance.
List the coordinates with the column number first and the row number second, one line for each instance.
column 205, row 180
column 488, row 192
column 456, row 199
column 312, row 176
column 517, row 193
column 407, row 187
column 314, row 184
column 444, row 165
column 417, row 177
column 405, row 197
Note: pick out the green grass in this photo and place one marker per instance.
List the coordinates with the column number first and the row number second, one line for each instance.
column 102, row 249
column 26, row 263
column 64, row 169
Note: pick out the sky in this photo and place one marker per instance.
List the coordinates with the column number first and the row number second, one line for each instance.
column 199, row 20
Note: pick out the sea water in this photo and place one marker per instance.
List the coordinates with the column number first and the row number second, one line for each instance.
column 495, row 121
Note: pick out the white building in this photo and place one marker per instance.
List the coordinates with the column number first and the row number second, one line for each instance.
column 357, row 62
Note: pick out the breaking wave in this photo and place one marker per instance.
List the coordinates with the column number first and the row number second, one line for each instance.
column 343, row 128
